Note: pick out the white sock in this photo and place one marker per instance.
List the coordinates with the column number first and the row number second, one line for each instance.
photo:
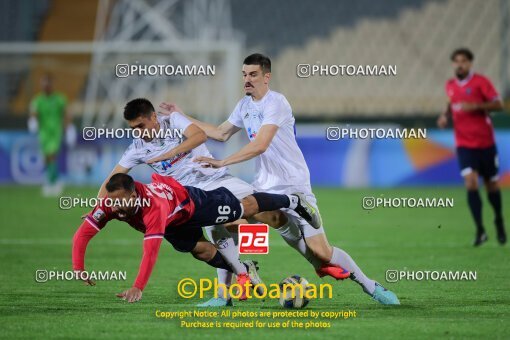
column 221, row 238
column 293, row 201
column 342, row 259
column 291, row 233
column 225, row 277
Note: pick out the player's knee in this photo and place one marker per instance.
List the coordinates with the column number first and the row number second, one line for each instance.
column 471, row 187
column 204, row 251
column 491, row 186
column 278, row 219
column 50, row 158
column 471, row 181
column 250, row 206
column 275, row 219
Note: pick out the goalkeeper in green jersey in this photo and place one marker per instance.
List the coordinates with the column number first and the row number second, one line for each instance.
column 49, row 117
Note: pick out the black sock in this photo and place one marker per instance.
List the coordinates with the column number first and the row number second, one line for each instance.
column 495, row 199
column 219, row 262
column 475, row 205
column 269, row 202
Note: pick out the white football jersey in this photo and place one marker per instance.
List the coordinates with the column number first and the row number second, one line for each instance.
column 283, row 163
column 180, row 167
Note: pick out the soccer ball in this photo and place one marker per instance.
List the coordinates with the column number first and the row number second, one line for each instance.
column 293, row 291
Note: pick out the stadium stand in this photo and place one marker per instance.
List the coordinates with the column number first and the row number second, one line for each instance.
column 19, row 21
column 69, row 70
column 366, row 32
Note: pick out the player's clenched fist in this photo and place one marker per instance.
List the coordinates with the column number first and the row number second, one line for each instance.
column 133, row 294
column 442, row 121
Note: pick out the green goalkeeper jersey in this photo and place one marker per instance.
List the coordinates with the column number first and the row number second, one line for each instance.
column 50, row 116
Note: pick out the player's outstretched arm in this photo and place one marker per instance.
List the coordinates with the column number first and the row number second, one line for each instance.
column 258, row 146
column 221, row 133
column 195, row 136
column 81, row 238
column 150, row 255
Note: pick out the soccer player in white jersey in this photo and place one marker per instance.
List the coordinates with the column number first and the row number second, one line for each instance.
column 160, row 136
column 267, row 118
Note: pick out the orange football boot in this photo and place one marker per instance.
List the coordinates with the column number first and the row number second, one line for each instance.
column 335, row 272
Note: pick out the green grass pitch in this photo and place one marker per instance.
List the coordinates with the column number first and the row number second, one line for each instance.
column 35, row 234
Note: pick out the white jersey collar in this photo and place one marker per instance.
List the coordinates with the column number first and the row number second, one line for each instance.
column 261, row 100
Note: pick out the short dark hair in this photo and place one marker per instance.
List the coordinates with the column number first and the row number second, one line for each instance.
column 258, row 59
column 462, row 51
column 120, row 181
column 138, row 107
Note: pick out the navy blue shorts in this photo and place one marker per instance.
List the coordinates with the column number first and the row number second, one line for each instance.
column 484, row 161
column 213, row 207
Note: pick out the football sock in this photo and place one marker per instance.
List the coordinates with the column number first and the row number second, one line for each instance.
column 52, row 172
column 270, row 202
column 495, row 200
column 226, row 243
column 218, row 262
column 291, row 233
column 294, row 200
column 222, row 239
column 224, row 278
column 342, row 259
column 475, row 205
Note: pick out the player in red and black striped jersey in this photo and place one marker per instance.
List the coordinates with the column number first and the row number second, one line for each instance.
column 471, row 97
column 166, row 209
